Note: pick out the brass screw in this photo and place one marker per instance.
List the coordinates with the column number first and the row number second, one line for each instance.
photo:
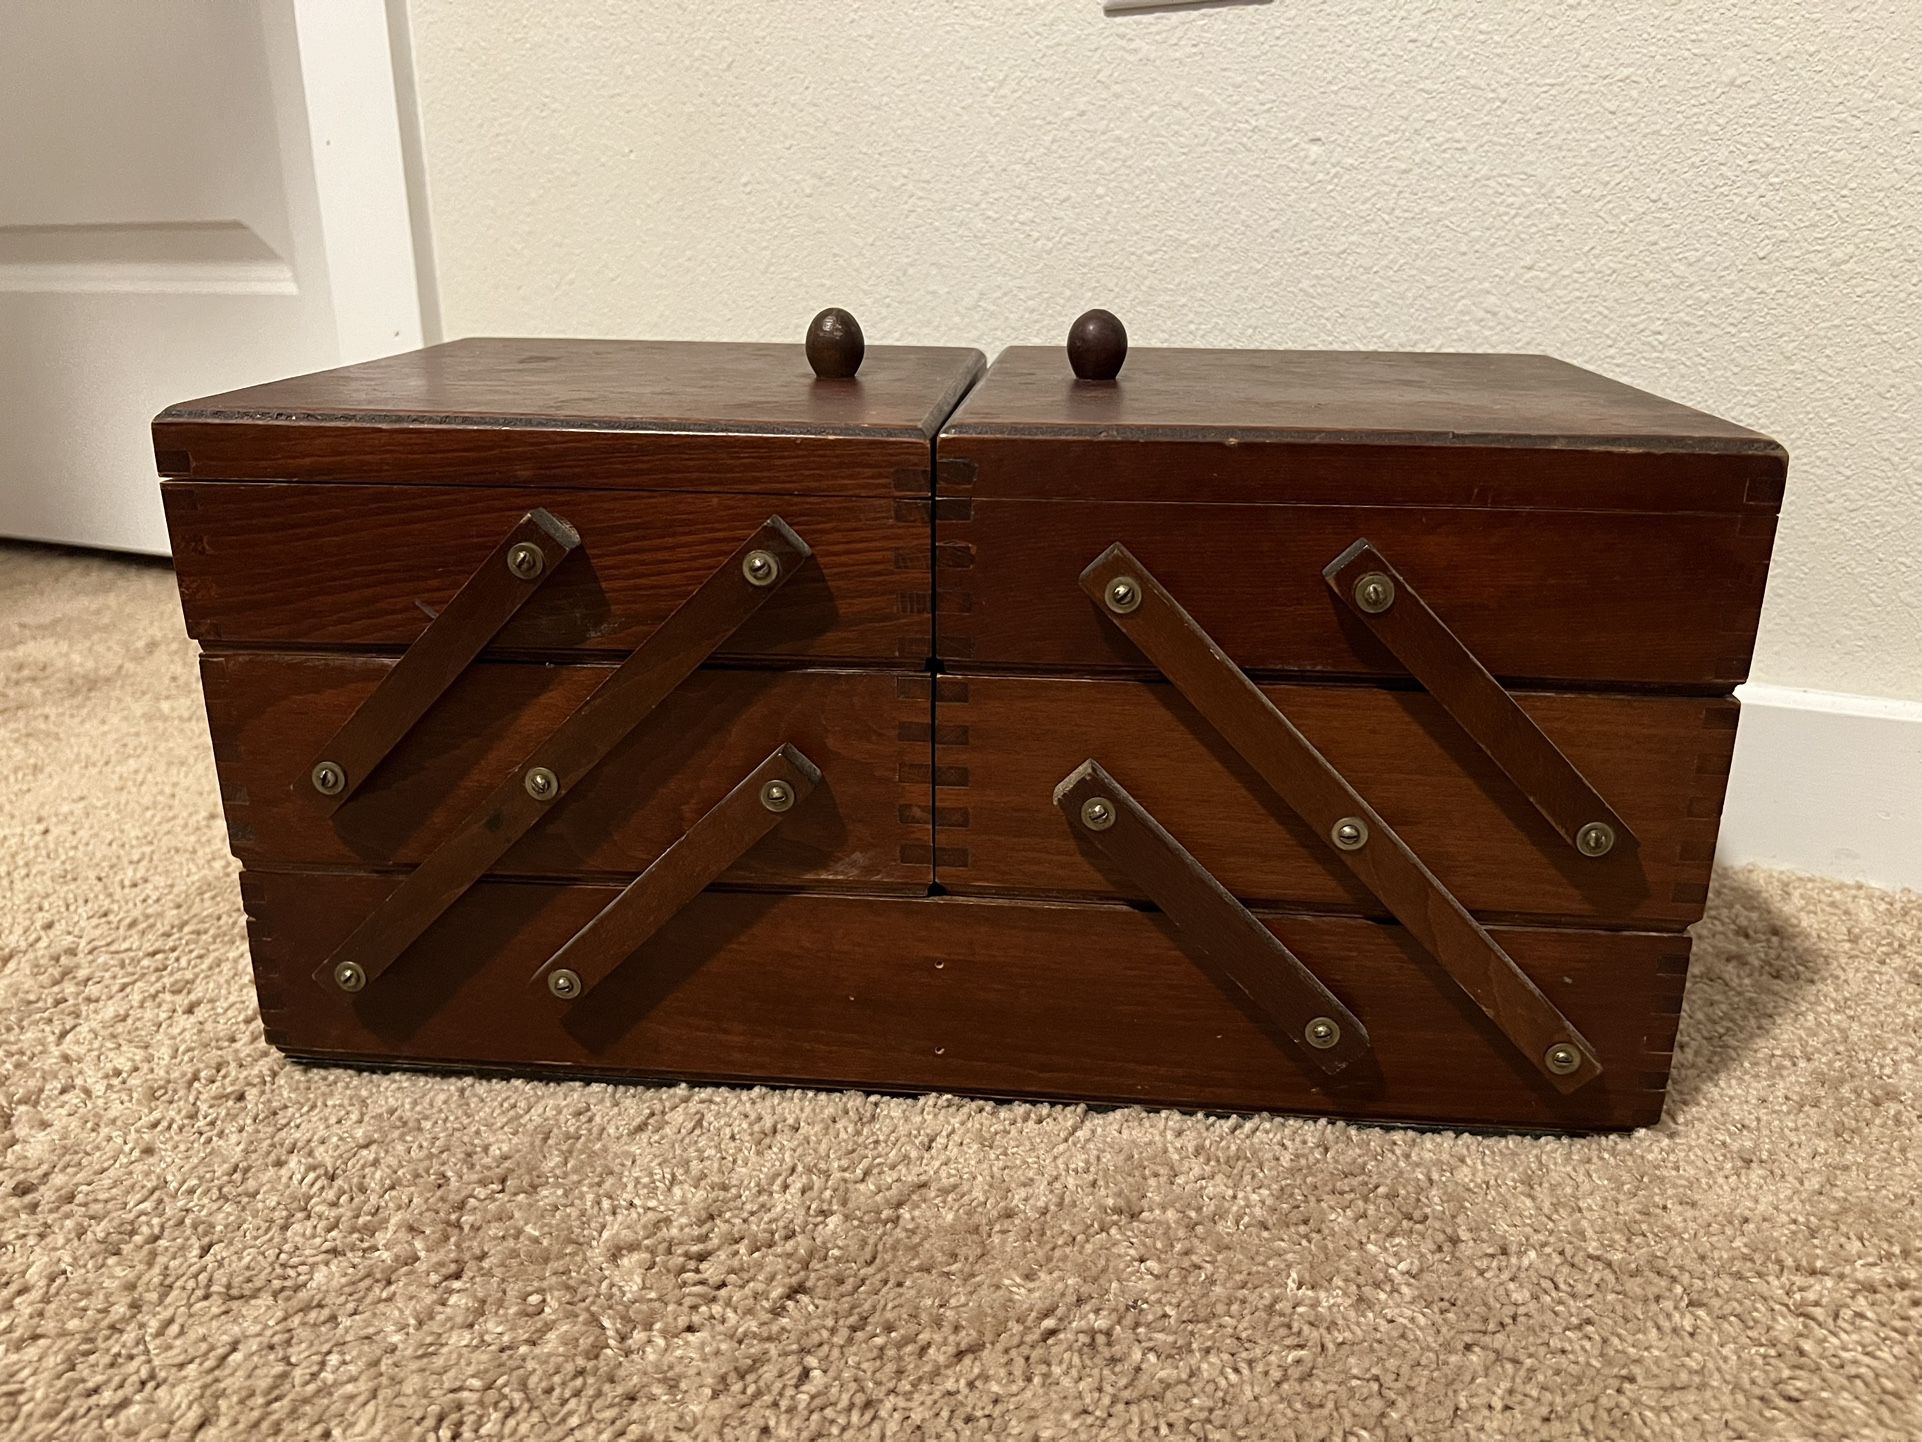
column 1595, row 839
column 1124, row 594
column 329, row 778
column 542, row 784
column 526, row 560
column 1097, row 813
column 349, row 977
column 1322, row 1033
column 1562, row 1059
column 777, row 796
column 564, row 983
column 1349, row 834
column 1374, row 593
column 760, row 568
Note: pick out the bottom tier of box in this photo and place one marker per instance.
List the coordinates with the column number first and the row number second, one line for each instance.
column 1048, row 1000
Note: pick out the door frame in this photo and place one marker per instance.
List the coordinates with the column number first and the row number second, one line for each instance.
column 341, row 71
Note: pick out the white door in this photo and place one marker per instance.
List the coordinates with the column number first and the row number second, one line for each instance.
column 194, row 195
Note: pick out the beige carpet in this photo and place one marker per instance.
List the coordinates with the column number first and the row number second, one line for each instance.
column 198, row 1239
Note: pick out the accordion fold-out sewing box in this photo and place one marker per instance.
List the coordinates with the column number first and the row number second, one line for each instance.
column 1323, row 732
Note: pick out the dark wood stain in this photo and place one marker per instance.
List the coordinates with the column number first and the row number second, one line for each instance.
column 1077, row 1002
column 269, row 711
column 253, row 558
column 694, row 862
column 1477, row 702
column 625, row 697
column 1320, row 795
column 1216, row 930
column 691, row 387
column 1600, row 554
column 1539, row 596
column 485, row 602
column 1350, row 397
column 1659, row 758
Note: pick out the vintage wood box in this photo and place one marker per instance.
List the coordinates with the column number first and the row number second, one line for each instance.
column 1323, row 732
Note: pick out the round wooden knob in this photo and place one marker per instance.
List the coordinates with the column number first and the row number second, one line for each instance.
column 835, row 344
column 1097, row 345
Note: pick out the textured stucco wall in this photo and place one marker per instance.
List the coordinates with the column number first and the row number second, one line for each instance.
column 1719, row 202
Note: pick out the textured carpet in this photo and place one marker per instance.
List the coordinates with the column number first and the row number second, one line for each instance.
column 199, row 1239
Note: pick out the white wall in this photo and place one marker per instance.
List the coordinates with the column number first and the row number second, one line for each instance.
column 1719, row 202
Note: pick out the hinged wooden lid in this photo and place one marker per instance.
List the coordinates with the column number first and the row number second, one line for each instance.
column 574, row 412
column 1351, row 427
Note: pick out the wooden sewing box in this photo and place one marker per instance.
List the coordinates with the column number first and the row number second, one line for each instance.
column 1321, row 732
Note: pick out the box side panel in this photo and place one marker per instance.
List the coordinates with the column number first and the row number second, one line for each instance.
column 1662, row 762
column 452, row 455
column 273, row 715
column 1085, row 1003
column 1606, row 599
column 369, row 566
column 1596, row 476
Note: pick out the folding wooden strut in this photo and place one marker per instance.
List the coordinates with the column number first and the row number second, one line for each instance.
column 716, row 609
column 753, row 808
column 1390, row 607
column 486, row 601
column 1156, row 623
column 1244, row 953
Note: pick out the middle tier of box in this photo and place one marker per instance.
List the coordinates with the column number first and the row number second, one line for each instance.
column 984, row 774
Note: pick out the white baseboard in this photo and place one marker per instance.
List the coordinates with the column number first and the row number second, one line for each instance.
column 1826, row 784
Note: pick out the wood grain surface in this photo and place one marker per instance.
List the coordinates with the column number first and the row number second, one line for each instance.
column 726, row 387
column 1002, row 743
column 1089, row 1003
column 568, row 757
column 1229, row 469
column 1216, row 930
column 485, row 602
column 255, row 561
column 1591, row 599
column 1356, row 397
column 689, row 866
column 867, row 826
column 1317, row 792
column 1474, row 700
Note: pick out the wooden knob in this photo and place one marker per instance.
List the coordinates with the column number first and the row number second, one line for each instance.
column 1097, row 345
column 835, row 344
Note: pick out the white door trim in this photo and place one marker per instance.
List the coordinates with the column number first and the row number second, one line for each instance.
column 338, row 94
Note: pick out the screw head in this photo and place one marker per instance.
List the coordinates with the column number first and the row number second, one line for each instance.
column 1562, row 1058
column 1123, row 595
column 1374, row 593
column 526, row 560
column 329, row 778
column 1349, row 834
column 542, row 784
column 1322, row 1033
column 777, row 796
column 760, row 568
column 564, row 983
column 1097, row 813
column 349, row 977
column 1597, row 838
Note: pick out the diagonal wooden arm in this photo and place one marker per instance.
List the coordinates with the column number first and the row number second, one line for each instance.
column 1379, row 596
column 1242, row 951
column 486, row 601
column 1131, row 598
column 714, row 612
column 679, row 874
